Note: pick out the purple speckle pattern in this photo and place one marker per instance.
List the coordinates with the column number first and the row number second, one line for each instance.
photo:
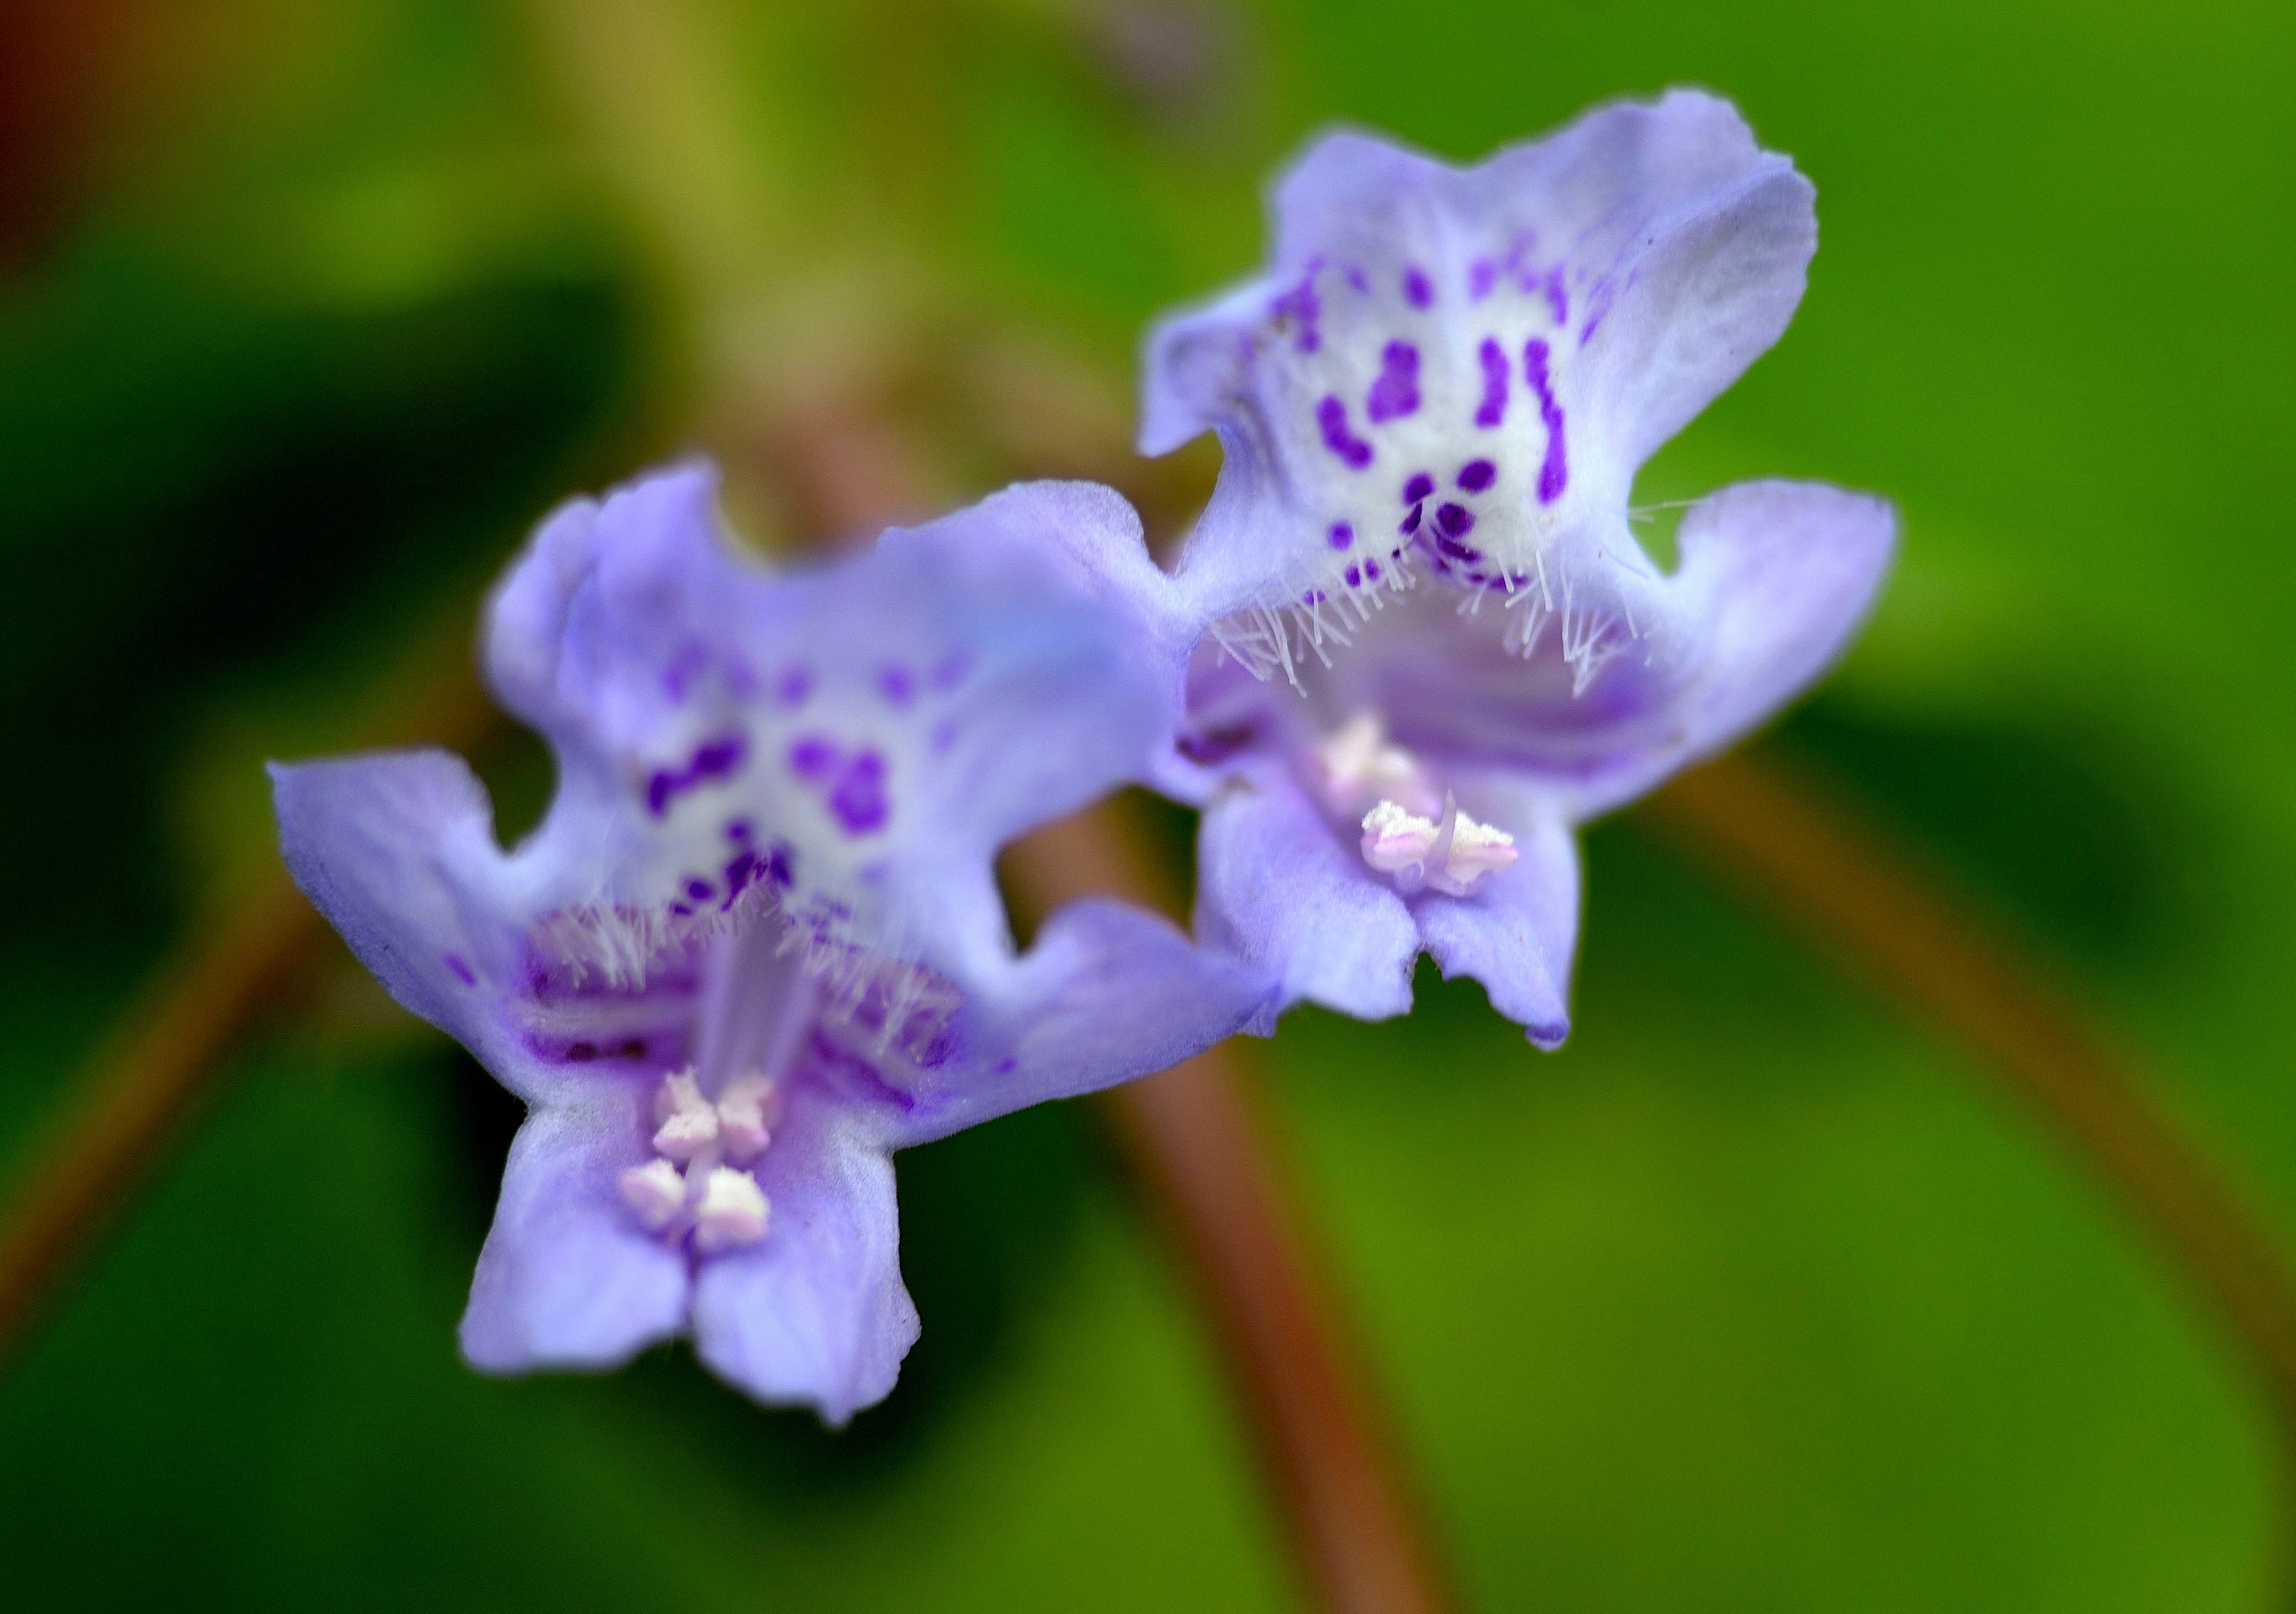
column 1342, row 534
column 1476, row 475
column 1455, row 520
column 1416, row 289
column 1482, row 275
column 897, row 684
column 1492, row 410
column 462, row 970
column 1396, row 393
column 1331, row 418
column 713, row 762
column 1421, row 486
column 858, row 802
column 853, row 785
column 812, row 757
column 1302, row 309
column 1558, row 300
column 1554, row 471
column 794, row 684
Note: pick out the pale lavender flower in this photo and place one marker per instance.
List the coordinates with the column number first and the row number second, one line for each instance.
column 1433, row 405
column 756, row 943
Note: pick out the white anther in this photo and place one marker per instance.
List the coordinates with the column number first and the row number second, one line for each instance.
column 1359, row 766
column 732, row 1211
column 1477, row 850
column 655, row 1190
column 689, row 1122
column 741, row 1114
column 1452, row 855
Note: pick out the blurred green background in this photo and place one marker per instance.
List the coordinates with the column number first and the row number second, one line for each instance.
column 1752, row 1298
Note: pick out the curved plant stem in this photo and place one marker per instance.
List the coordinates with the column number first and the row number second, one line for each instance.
column 1843, row 882
column 1195, row 1140
column 168, row 1053
column 145, row 1085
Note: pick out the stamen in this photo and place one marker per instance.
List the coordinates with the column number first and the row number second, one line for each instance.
column 655, row 1191
column 731, row 1211
column 741, row 1117
column 721, row 1205
column 1452, row 855
column 688, row 1121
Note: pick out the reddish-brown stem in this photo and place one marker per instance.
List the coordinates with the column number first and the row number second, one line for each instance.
column 1817, row 861
column 1196, row 1141
column 147, row 1082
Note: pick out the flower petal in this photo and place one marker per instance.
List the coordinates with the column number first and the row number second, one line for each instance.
column 815, row 1313
column 1107, row 992
column 1516, row 933
column 1777, row 576
column 397, row 851
column 567, row 1278
column 1460, row 370
column 1277, row 887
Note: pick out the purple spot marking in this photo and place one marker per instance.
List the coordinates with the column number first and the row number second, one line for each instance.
column 1458, row 551
column 1302, row 305
column 1004, row 1066
column 1396, row 392
column 1476, row 475
column 1558, row 301
column 739, row 831
column 897, row 682
column 1418, row 487
column 1355, row 576
column 1492, row 410
column 680, row 672
column 1370, row 570
column 1554, row 471
column 1356, row 279
column 1332, row 415
column 858, row 801
column 739, row 874
column 1215, row 745
column 778, row 872
column 1455, row 520
column 1482, row 275
column 1416, row 292
column 795, row 684
column 700, row 890
column 462, row 970
column 1410, row 523
column 949, row 671
column 812, row 757
column 713, row 760
column 1342, row 535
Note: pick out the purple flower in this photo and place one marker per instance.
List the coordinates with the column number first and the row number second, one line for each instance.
column 756, row 945
column 1423, row 525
